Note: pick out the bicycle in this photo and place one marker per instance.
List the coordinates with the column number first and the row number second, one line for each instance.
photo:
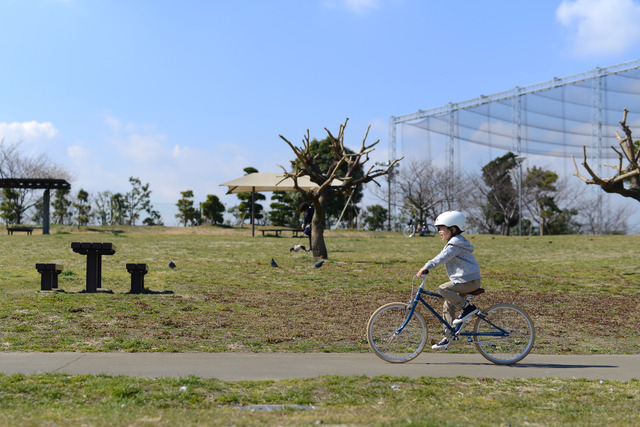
column 503, row 333
column 423, row 229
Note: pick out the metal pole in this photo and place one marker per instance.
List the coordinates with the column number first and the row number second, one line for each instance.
column 389, row 201
column 520, row 202
column 253, row 218
column 520, row 160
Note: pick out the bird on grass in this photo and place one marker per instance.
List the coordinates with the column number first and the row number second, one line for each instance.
column 318, row 264
column 273, row 263
column 172, row 265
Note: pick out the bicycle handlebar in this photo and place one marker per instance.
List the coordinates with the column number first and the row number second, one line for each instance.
column 423, row 277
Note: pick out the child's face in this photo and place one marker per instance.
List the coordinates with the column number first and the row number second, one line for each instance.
column 445, row 233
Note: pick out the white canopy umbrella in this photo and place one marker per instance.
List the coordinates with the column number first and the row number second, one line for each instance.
column 260, row 182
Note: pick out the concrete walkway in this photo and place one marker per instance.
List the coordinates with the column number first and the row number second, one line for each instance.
column 275, row 366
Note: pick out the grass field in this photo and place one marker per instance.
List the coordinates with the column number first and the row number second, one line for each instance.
column 224, row 296
column 583, row 293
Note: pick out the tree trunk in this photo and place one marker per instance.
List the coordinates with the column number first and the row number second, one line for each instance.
column 319, row 248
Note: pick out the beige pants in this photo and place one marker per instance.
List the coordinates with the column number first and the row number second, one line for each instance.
column 454, row 297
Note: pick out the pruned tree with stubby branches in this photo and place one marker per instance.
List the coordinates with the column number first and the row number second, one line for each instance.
column 626, row 180
column 334, row 178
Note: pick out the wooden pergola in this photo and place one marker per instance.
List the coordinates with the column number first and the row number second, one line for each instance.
column 35, row 184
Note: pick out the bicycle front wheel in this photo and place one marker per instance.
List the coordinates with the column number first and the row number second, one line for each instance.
column 408, row 231
column 505, row 334
column 389, row 344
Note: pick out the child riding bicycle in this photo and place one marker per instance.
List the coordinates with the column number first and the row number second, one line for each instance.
column 462, row 268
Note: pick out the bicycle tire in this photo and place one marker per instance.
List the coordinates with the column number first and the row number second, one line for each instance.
column 382, row 337
column 505, row 350
column 408, row 231
column 431, row 230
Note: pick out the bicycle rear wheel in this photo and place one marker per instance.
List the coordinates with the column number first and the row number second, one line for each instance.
column 408, row 231
column 383, row 336
column 430, row 230
column 515, row 344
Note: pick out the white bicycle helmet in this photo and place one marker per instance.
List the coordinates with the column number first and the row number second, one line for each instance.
column 451, row 218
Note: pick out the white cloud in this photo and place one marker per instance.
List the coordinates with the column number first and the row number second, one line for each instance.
column 144, row 148
column 355, row 6
column 27, row 131
column 113, row 123
column 78, row 152
column 177, row 151
column 140, row 150
column 600, row 26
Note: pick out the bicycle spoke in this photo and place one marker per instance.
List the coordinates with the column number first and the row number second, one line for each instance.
column 388, row 342
column 505, row 335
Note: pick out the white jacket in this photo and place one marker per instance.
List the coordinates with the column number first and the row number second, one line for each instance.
column 457, row 257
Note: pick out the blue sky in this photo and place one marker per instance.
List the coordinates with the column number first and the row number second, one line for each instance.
column 185, row 94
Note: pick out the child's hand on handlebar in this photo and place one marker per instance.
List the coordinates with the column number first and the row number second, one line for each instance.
column 422, row 272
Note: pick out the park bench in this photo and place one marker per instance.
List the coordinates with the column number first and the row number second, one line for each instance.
column 11, row 230
column 278, row 231
column 49, row 276
column 296, row 231
column 137, row 272
column 268, row 231
column 94, row 252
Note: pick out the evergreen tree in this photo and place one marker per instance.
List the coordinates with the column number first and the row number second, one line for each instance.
column 212, row 209
column 37, row 212
column 82, row 207
column 102, row 203
column 502, row 200
column 137, row 200
column 540, row 191
column 187, row 214
column 61, row 207
column 375, row 217
column 245, row 200
column 9, row 209
column 284, row 209
column 153, row 218
column 119, row 209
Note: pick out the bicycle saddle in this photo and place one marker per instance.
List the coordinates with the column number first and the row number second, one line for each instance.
column 477, row 292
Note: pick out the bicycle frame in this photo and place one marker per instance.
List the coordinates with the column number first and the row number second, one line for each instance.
column 455, row 331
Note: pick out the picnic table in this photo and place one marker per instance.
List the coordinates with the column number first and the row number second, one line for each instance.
column 94, row 252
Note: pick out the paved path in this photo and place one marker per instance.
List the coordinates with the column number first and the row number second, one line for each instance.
column 274, row 366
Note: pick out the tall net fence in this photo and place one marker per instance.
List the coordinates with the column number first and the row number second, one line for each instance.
column 546, row 123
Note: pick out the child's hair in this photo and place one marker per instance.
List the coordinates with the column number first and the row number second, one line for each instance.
column 304, row 206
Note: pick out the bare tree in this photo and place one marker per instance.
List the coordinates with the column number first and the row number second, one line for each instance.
column 14, row 164
column 307, row 164
column 626, row 181
column 424, row 188
column 476, row 201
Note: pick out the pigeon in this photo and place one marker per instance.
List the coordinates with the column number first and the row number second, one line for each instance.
column 172, row 265
column 297, row 248
column 318, row 264
column 273, row 263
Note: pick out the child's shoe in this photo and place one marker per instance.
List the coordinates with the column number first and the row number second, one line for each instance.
column 468, row 311
column 442, row 345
